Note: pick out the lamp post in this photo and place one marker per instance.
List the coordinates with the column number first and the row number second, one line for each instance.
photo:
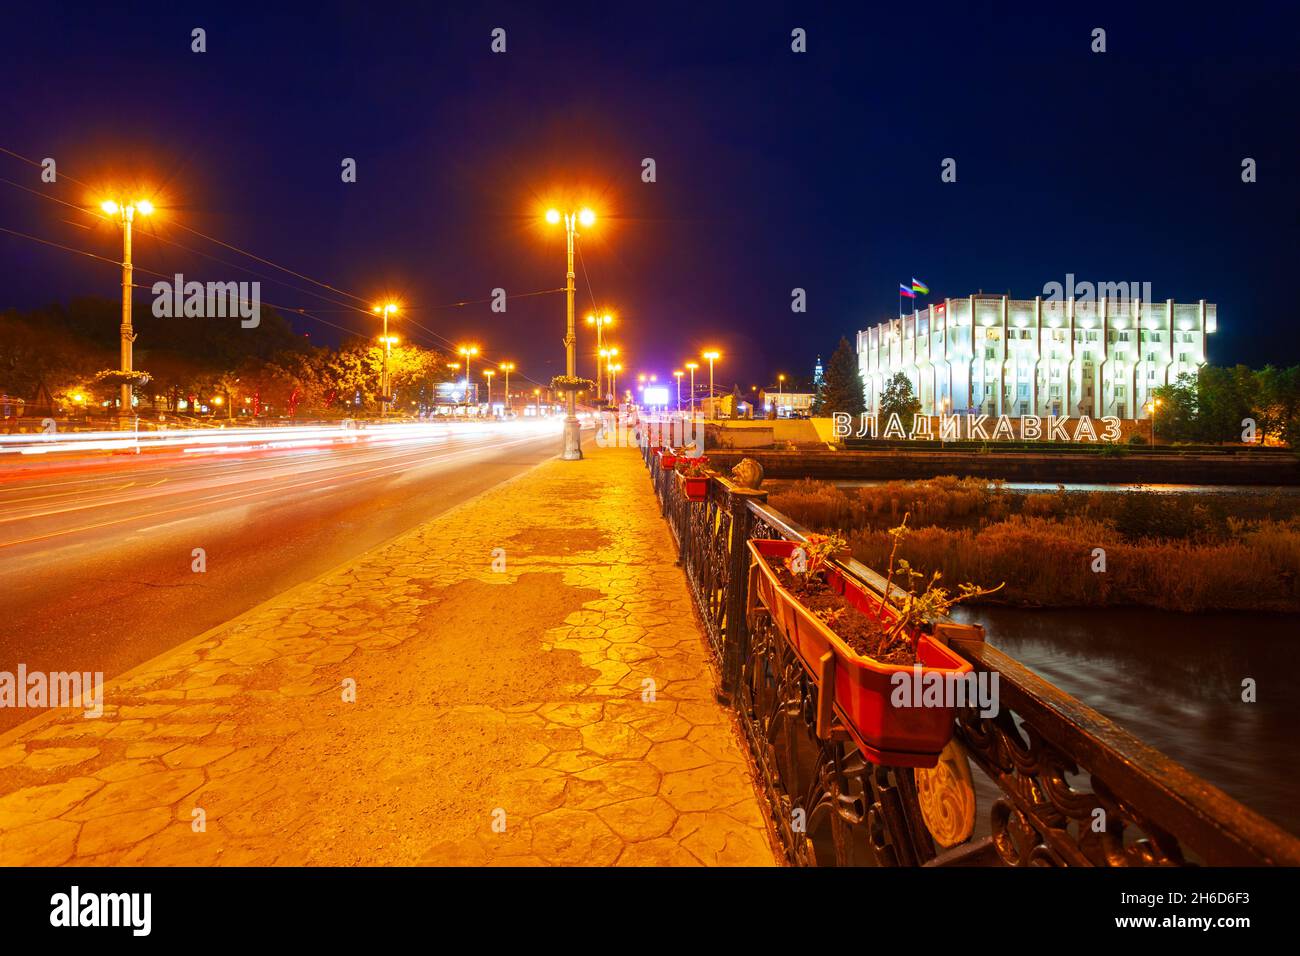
column 692, row 366
column 712, row 357
column 384, row 395
column 467, row 351
column 678, row 375
column 487, row 374
column 613, row 379
column 599, row 321
column 507, row 367
column 1151, row 407
column 125, row 213
column 572, row 433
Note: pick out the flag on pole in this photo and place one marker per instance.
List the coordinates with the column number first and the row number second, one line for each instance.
column 919, row 286
column 906, row 290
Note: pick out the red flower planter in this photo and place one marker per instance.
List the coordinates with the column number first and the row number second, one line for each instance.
column 862, row 687
column 666, row 460
column 695, row 489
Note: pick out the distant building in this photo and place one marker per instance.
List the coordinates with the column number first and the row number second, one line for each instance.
column 787, row 404
column 990, row 354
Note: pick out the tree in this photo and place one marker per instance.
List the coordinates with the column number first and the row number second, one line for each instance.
column 1177, row 415
column 899, row 399
column 842, row 388
column 1278, row 407
column 1225, row 396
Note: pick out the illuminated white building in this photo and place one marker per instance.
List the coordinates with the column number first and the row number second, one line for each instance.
column 990, row 354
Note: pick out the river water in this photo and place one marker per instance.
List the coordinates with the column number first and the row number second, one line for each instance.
column 1175, row 681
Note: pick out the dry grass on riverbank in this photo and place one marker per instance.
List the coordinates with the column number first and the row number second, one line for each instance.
column 1160, row 550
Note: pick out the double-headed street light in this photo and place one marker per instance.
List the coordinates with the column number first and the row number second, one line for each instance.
column 613, row 379
column 712, row 357
column 507, row 367
column 467, row 351
column 572, row 434
column 385, row 395
column 124, row 213
column 692, row 366
column 599, row 321
column 607, row 355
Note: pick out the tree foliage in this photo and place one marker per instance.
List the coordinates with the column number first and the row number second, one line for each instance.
column 899, row 399
column 63, row 348
column 842, row 387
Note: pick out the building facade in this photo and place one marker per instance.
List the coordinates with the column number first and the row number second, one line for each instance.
column 787, row 404
column 990, row 354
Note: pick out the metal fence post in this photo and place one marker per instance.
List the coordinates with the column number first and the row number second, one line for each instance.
column 736, row 630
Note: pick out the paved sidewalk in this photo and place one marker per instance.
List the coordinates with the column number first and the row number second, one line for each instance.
column 559, row 711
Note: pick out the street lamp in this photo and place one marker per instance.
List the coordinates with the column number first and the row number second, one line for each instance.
column 1151, row 407
column 613, row 379
column 507, row 367
column 608, row 354
column 692, row 366
column 678, row 375
column 487, row 374
column 537, row 402
column 599, row 321
column 712, row 357
column 572, row 434
column 125, row 214
column 467, row 351
column 384, row 397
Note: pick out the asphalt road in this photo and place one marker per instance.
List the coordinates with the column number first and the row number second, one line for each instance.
column 96, row 550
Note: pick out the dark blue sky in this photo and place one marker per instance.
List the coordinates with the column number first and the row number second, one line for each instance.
column 775, row 170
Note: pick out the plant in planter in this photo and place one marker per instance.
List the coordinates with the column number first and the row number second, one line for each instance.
column 693, row 475
column 857, row 644
column 916, row 612
column 807, row 562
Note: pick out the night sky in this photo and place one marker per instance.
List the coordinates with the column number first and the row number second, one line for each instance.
column 775, row 170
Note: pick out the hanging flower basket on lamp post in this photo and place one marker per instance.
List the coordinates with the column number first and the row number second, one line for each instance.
column 572, row 383
column 116, row 378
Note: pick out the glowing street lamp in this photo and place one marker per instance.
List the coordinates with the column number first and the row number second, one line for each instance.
column 678, row 375
column 124, row 214
column 384, row 397
column 599, row 321
column 712, row 357
column 467, row 351
column 1151, row 409
column 692, row 366
column 487, row 374
column 572, row 434
column 507, row 367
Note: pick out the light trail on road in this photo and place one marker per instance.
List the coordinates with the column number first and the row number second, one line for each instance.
column 96, row 544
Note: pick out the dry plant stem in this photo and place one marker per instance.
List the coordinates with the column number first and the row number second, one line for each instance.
column 889, row 578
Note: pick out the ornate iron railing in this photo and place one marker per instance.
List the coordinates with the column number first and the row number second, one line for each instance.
column 1065, row 786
